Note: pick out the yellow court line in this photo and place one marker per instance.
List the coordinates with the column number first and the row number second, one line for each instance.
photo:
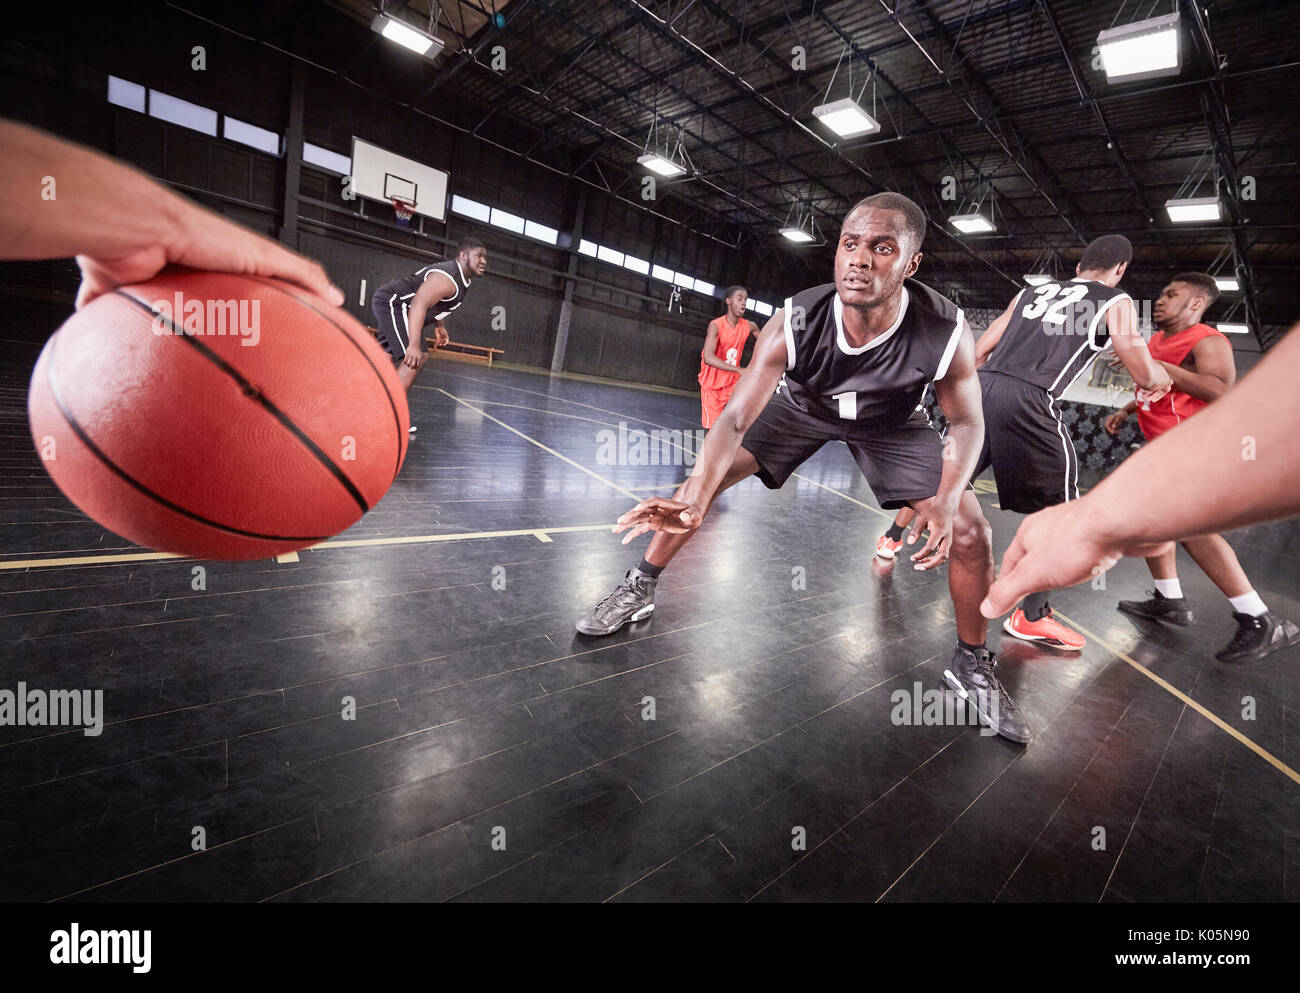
column 1210, row 716
column 541, row 534
column 90, row 560
column 534, row 441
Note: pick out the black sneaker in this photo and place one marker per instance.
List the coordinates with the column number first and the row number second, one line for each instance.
column 1160, row 608
column 632, row 600
column 971, row 675
column 1257, row 637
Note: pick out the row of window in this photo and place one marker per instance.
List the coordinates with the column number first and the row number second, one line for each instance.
column 532, row 229
column 174, row 110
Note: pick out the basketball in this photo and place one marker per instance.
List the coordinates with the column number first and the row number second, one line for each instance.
column 218, row 416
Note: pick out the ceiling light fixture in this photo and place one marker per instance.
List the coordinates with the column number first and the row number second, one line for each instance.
column 420, row 42
column 846, row 118
column 1189, row 210
column 663, row 165
column 1141, row 50
column 973, row 223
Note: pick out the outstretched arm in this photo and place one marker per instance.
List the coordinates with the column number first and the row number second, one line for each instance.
column 1252, row 434
column 62, row 199
column 1131, row 350
column 753, row 390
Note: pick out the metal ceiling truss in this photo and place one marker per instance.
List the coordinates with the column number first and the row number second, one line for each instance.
column 732, row 77
column 1219, row 125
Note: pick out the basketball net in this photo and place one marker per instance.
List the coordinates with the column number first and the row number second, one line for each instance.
column 403, row 209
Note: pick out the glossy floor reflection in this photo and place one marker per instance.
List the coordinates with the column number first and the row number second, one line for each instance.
column 494, row 754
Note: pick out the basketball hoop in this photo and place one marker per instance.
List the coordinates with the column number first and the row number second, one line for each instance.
column 404, row 209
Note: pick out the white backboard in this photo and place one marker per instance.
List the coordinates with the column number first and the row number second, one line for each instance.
column 378, row 174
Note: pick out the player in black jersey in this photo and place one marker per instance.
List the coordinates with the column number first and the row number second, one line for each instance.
column 852, row 359
column 1027, row 358
column 424, row 297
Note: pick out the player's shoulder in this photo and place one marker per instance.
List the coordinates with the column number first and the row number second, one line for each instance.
column 820, row 295
column 928, row 306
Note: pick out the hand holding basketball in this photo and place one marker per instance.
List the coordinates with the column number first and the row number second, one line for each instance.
column 659, row 514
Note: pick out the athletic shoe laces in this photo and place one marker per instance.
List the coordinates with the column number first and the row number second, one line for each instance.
column 1245, row 633
column 628, row 586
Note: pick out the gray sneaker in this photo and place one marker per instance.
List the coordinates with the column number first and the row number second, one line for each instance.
column 632, row 600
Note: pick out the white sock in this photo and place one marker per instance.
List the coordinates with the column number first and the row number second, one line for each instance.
column 1170, row 589
column 1248, row 603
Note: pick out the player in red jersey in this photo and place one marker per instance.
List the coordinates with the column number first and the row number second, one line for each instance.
column 1199, row 359
column 720, row 358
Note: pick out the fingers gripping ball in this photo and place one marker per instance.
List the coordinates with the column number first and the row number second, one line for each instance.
column 218, row 416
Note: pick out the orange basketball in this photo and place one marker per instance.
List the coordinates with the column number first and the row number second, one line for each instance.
column 218, row 416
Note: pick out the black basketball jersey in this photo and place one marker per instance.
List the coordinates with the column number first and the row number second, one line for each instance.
column 1055, row 331
column 405, row 287
column 883, row 381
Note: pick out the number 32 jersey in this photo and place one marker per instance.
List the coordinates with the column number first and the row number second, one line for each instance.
column 1055, row 331
column 880, row 383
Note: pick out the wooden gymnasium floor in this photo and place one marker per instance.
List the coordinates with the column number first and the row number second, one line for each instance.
column 480, row 708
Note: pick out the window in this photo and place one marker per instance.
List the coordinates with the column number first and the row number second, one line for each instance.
column 251, row 135
column 659, row 272
column 541, row 232
column 763, row 308
column 636, row 265
column 587, row 247
column 174, row 110
column 702, row 287
column 325, row 159
column 609, row 255
column 471, row 208
column 126, row 94
column 681, row 279
column 511, row 222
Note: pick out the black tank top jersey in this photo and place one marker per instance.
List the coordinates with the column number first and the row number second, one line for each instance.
column 405, row 287
column 884, row 381
column 1055, row 331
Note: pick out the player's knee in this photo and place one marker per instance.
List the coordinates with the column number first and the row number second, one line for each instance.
column 972, row 535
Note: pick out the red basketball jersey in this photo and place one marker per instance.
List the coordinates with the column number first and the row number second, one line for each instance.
column 731, row 344
column 1175, row 406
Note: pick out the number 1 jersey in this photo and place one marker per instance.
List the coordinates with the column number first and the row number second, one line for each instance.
column 879, row 383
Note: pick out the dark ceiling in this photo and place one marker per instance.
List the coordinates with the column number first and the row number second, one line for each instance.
column 999, row 96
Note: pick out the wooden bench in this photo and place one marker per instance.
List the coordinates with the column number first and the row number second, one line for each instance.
column 470, row 353
column 460, row 349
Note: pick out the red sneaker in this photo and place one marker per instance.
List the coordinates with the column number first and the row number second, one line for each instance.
column 1046, row 629
column 887, row 548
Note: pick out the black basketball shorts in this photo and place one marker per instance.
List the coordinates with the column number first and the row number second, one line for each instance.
column 1033, row 458
column 390, row 319
column 901, row 464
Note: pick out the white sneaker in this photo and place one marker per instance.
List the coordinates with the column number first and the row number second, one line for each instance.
column 411, row 430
